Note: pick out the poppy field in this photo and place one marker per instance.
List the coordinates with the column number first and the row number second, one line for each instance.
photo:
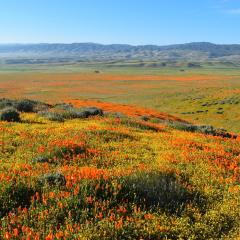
column 205, row 95
column 119, row 154
column 116, row 176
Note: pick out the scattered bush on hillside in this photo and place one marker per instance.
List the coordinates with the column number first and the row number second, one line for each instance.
column 63, row 106
column 63, row 111
column 60, row 153
column 10, row 115
column 160, row 190
column 52, row 116
column 73, row 113
column 205, row 129
column 24, row 105
column 108, row 135
column 14, row 195
column 118, row 115
column 4, row 103
column 41, row 159
column 53, row 179
column 142, row 125
column 144, row 118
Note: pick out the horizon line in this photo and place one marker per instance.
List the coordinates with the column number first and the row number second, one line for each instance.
column 107, row 44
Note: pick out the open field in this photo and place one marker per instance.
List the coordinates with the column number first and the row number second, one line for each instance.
column 209, row 94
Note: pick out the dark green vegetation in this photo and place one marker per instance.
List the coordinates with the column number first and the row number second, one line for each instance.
column 9, row 115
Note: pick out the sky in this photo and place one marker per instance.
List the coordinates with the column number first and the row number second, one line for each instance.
column 135, row 22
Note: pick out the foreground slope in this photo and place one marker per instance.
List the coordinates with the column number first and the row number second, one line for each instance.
column 115, row 177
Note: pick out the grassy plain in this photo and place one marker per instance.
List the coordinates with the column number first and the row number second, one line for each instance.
column 209, row 94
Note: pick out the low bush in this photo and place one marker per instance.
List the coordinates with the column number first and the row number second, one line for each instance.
column 144, row 118
column 5, row 103
column 10, row 115
column 63, row 106
column 52, row 116
column 108, row 135
column 73, row 113
column 25, row 106
column 65, row 111
column 53, row 179
column 205, row 129
column 86, row 112
column 41, row 159
column 93, row 111
column 59, row 154
column 142, row 125
column 161, row 190
column 14, row 195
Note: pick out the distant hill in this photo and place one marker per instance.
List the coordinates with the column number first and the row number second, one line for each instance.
column 92, row 51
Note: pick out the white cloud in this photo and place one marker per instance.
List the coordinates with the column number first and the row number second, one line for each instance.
column 234, row 11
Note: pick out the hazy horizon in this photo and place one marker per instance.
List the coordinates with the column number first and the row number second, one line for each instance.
column 118, row 43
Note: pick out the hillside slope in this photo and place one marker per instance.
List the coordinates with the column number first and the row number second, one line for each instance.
column 115, row 177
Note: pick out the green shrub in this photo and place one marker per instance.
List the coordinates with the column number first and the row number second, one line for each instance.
column 73, row 113
column 205, row 129
column 41, row 159
column 92, row 111
column 59, row 153
column 139, row 124
column 25, row 105
column 52, row 116
column 53, row 179
column 66, row 111
column 144, row 118
column 161, row 190
column 13, row 196
column 86, row 112
column 108, row 136
column 9, row 115
column 63, row 106
column 5, row 103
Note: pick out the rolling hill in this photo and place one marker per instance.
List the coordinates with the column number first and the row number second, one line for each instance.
column 198, row 51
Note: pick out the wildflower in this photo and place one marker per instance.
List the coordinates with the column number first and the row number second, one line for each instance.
column 50, row 236
column 89, row 200
column 15, row 232
column 119, row 223
column 148, row 216
column 112, row 217
column 25, row 210
column 76, row 191
column 7, row 235
column 59, row 234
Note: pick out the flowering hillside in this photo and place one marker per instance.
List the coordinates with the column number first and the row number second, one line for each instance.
column 115, row 176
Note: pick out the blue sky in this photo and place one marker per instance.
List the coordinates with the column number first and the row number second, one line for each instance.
column 120, row 21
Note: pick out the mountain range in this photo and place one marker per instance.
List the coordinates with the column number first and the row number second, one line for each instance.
column 198, row 51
